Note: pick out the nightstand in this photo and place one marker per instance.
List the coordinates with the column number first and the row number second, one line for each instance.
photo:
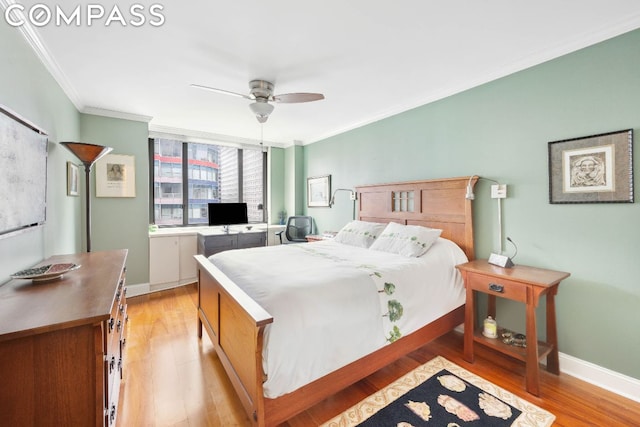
column 519, row 283
column 327, row 235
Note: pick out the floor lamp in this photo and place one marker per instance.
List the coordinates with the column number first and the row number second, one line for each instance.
column 88, row 155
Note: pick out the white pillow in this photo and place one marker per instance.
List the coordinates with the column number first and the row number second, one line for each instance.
column 359, row 233
column 407, row 240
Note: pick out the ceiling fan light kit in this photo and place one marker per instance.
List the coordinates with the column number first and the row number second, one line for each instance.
column 261, row 91
column 262, row 109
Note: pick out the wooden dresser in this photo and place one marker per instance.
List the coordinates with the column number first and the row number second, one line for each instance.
column 62, row 344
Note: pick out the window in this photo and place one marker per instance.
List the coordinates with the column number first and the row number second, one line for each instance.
column 196, row 174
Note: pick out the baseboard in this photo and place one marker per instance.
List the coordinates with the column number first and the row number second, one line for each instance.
column 607, row 379
column 147, row 288
column 137, row 289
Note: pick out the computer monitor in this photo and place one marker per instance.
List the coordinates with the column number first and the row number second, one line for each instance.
column 227, row 213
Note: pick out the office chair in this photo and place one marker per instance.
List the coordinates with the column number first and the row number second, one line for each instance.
column 298, row 227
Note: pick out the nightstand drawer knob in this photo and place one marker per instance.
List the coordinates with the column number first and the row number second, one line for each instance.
column 496, row 288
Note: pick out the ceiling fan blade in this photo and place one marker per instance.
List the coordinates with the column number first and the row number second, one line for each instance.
column 224, row 92
column 298, row 97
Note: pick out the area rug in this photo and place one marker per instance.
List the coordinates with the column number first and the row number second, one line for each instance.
column 441, row 393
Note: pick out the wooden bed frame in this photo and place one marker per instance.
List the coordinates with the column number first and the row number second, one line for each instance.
column 235, row 323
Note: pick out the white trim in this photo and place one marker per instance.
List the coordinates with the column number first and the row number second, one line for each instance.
column 607, row 379
column 115, row 114
column 582, row 41
column 137, row 290
column 41, row 51
column 146, row 288
column 187, row 135
column 602, row 377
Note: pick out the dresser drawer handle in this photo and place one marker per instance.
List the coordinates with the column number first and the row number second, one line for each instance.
column 496, row 288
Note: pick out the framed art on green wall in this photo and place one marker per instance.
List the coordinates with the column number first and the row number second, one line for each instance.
column 73, row 179
column 116, row 176
column 318, row 191
column 592, row 169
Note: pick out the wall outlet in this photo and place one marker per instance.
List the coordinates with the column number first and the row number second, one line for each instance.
column 499, row 191
column 353, row 196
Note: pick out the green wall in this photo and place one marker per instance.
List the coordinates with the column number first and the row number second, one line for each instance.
column 500, row 130
column 122, row 222
column 294, row 180
column 276, row 171
column 29, row 90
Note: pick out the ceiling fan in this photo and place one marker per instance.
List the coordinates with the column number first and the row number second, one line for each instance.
column 261, row 91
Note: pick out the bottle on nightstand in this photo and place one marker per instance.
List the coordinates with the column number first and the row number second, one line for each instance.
column 490, row 328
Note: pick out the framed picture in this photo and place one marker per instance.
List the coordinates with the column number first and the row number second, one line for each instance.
column 318, row 191
column 73, row 179
column 116, row 176
column 592, row 169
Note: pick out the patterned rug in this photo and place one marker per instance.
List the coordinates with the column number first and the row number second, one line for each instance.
column 441, row 393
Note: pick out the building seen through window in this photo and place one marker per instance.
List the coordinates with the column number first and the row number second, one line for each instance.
column 205, row 173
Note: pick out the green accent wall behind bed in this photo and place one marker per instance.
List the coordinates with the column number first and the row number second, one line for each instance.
column 500, row 130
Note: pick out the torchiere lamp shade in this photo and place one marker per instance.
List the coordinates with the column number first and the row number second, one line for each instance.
column 88, row 154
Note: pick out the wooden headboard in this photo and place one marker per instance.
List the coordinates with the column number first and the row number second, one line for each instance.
column 435, row 203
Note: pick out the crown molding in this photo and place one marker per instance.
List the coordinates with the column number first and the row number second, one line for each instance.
column 189, row 135
column 33, row 40
column 581, row 41
column 116, row 114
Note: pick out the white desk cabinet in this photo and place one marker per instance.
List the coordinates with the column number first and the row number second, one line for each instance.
column 171, row 261
column 172, row 251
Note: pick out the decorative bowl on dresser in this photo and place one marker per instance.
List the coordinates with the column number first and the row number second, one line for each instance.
column 62, row 344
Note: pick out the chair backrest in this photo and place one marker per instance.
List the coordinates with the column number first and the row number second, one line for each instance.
column 298, row 227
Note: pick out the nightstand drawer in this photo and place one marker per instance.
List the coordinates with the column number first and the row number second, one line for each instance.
column 503, row 288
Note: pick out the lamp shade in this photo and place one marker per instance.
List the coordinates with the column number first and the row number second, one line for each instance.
column 87, row 153
column 261, row 109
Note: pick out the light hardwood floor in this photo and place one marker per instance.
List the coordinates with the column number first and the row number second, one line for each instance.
column 174, row 379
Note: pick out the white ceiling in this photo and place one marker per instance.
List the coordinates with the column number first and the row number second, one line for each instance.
column 370, row 58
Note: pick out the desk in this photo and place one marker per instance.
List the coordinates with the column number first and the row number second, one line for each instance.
column 212, row 242
column 519, row 283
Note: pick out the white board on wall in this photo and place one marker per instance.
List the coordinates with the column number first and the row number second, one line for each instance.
column 23, row 174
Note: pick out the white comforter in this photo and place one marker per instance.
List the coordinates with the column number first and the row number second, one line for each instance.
column 329, row 305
